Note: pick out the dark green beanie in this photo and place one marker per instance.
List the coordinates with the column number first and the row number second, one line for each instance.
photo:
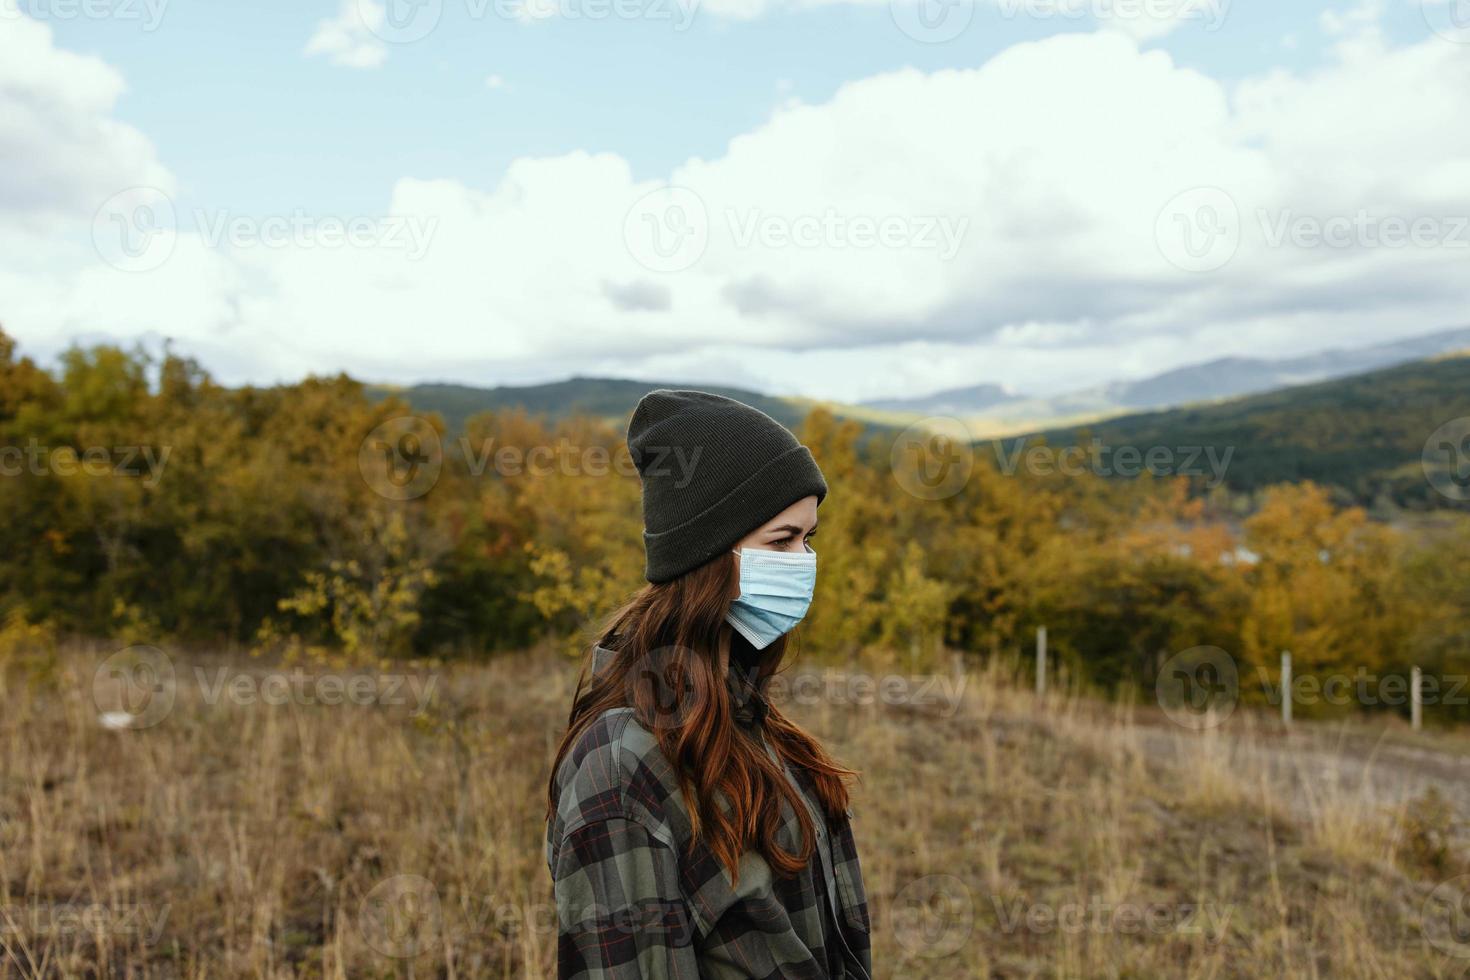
column 713, row 470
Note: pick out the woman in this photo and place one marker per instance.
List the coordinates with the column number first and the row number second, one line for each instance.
column 694, row 831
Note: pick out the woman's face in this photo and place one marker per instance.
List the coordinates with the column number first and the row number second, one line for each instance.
column 790, row 530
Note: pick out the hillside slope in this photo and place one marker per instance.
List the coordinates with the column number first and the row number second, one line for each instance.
column 1364, row 434
column 607, row 398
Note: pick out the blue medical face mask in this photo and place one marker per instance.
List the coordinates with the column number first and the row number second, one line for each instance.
column 775, row 590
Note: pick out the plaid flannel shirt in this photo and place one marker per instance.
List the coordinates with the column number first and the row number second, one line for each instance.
column 633, row 902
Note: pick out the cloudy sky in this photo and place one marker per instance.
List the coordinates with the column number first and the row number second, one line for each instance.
column 839, row 198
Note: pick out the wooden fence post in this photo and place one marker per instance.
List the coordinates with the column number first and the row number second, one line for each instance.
column 1041, row 661
column 1286, row 687
column 1416, row 698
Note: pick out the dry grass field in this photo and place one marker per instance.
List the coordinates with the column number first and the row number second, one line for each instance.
column 246, row 832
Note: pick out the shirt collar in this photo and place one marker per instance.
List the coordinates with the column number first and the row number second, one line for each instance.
column 750, row 705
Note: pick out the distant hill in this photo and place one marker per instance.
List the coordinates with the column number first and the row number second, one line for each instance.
column 1232, row 377
column 611, row 399
column 1363, row 435
column 952, row 401
column 991, row 409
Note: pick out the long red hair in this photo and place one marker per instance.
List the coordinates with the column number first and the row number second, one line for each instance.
column 672, row 655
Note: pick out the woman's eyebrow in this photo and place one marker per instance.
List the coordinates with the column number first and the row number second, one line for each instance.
column 789, row 528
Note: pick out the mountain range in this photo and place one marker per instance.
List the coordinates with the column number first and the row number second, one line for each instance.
column 1374, row 438
column 611, row 399
column 992, row 409
column 1356, row 419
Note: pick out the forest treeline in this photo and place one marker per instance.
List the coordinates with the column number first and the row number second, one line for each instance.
column 145, row 503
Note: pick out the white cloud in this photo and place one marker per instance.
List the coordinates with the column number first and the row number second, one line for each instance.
column 1054, row 159
column 494, row 82
column 61, row 152
column 348, row 40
